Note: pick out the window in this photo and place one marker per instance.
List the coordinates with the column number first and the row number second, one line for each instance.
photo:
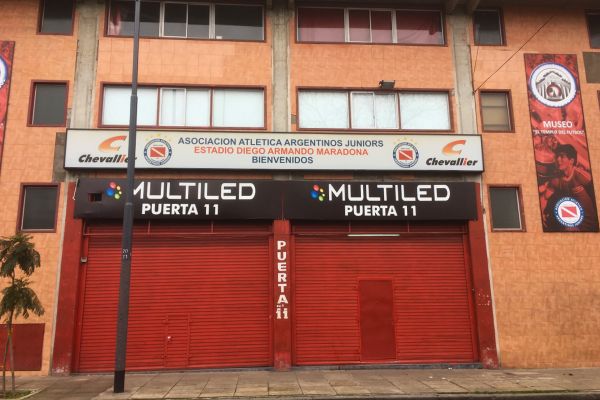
column 328, row 109
column 38, row 208
column 495, row 111
column 488, row 27
column 49, row 104
column 424, row 110
column 186, row 107
column 506, row 208
column 593, row 23
column 56, row 17
column 188, row 20
column 340, row 25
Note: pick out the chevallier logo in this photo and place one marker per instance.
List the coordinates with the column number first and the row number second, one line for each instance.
column 110, row 145
column 453, row 149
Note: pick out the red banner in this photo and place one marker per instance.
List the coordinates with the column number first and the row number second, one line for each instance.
column 566, row 189
column 6, row 55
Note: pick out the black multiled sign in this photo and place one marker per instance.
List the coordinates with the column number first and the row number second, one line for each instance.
column 380, row 201
column 180, row 199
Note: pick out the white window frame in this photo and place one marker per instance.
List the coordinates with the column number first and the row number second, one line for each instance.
column 397, row 109
column 159, row 91
column 373, row 95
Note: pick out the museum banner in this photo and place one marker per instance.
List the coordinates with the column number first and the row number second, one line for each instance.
column 564, row 174
column 6, row 55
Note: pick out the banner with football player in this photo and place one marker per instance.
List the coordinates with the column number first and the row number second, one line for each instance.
column 566, row 189
column 6, row 56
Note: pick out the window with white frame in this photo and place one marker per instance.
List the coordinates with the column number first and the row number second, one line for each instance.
column 366, row 110
column 355, row 25
column 186, row 107
column 188, row 20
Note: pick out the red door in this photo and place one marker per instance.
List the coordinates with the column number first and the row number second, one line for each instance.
column 427, row 272
column 200, row 297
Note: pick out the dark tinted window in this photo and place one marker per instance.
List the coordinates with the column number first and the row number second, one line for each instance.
column 495, row 111
column 419, row 27
column 149, row 19
column 122, row 17
column 488, row 27
column 506, row 212
column 57, row 16
column 39, row 208
column 49, row 102
column 175, row 19
column 238, row 22
column 320, row 25
column 593, row 21
column 198, row 21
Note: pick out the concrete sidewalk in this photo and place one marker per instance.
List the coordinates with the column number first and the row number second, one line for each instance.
column 323, row 384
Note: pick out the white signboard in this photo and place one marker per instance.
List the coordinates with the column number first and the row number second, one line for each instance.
column 107, row 149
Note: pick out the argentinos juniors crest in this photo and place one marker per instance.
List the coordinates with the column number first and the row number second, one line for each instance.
column 564, row 175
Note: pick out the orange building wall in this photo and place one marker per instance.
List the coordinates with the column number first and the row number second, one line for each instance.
column 363, row 66
column 29, row 151
column 546, row 285
column 188, row 62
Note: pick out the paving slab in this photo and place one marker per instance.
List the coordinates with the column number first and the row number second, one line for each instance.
column 392, row 384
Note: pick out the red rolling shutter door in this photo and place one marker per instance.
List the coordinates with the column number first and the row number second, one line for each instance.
column 432, row 309
column 195, row 302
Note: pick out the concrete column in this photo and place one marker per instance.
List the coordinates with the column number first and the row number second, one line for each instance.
column 280, row 18
column 81, row 115
column 460, row 24
column 90, row 14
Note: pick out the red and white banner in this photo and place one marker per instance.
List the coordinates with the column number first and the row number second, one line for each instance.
column 6, row 55
column 566, row 189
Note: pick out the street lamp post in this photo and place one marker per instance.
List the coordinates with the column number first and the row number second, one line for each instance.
column 123, row 311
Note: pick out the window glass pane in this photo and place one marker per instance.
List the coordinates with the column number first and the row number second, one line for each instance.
column 594, row 29
column 360, row 25
column 323, row 109
column 39, row 207
column 386, row 111
column 198, row 20
column 175, row 19
column 374, row 111
column 57, row 16
column 363, row 111
column 424, row 111
column 172, row 107
column 49, row 104
column 320, row 25
column 494, row 111
column 197, row 111
column 122, row 15
column 505, row 208
column 381, row 26
column 120, row 21
column 149, row 19
column 238, row 22
column 419, row 27
column 237, row 108
column 115, row 106
column 487, row 27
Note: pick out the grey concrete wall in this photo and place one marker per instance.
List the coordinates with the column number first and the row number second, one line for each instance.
column 459, row 24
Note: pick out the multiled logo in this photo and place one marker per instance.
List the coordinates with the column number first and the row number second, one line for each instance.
column 113, row 190
column 318, row 193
